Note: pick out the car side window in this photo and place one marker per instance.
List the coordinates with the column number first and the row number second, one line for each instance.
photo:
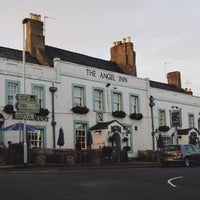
column 195, row 149
column 186, row 148
column 189, row 148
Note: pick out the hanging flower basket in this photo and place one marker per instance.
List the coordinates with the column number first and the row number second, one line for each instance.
column 9, row 109
column 163, row 128
column 43, row 112
column 119, row 114
column 136, row 116
column 80, row 110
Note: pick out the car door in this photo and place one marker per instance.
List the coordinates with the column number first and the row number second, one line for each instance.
column 197, row 154
column 194, row 154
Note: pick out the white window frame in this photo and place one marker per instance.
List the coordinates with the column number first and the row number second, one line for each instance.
column 12, row 91
column 191, row 120
column 162, row 117
column 78, row 96
column 81, row 134
column 36, row 139
column 134, row 104
column 98, row 99
column 117, row 103
column 39, row 91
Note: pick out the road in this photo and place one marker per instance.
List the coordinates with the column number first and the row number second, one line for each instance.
column 107, row 184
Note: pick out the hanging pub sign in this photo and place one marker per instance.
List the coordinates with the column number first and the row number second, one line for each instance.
column 176, row 118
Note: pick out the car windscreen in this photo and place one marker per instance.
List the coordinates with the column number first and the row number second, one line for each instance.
column 172, row 148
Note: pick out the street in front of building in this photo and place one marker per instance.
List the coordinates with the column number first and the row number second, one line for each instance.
column 130, row 183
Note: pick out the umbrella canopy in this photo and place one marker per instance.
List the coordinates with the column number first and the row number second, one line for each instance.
column 89, row 138
column 61, row 140
column 19, row 127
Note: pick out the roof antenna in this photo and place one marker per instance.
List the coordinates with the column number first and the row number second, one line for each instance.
column 165, row 68
column 46, row 17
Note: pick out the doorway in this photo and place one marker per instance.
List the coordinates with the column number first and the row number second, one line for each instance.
column 116, row 144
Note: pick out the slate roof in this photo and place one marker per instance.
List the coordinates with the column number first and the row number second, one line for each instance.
column 81, row 59
column 103, row 125
column 13, row 54
column 166, row 86
column 186, row 131
column 64, row 55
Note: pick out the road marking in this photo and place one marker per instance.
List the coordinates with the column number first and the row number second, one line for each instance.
column 170, row 181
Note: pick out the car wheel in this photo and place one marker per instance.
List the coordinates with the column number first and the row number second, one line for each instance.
column 187, row 162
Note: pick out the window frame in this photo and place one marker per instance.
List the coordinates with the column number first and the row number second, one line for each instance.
column 33, row 86
column 121, row 104
column 43, row 130
column 73, row 94
column 7, row 82
column 102, row 100
column 191, row 117
column 160, row 111
column 131, row 105
column 86, row 124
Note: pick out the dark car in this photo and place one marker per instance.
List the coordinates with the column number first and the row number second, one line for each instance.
column 185, row 154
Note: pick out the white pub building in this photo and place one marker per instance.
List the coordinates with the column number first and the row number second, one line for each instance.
column 99, row 102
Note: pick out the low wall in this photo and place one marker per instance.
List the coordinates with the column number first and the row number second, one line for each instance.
column 147, row 155
column 64, row 156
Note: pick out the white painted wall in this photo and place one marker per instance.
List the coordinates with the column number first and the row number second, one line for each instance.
column 64, row 74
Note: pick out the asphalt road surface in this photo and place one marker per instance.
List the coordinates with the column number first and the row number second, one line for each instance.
column 102, row 184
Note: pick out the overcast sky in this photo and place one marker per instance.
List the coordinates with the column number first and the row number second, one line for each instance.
column 165, row 33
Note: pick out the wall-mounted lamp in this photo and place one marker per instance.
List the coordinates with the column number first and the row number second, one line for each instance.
column 98, row 132
column 108, row 84
column 175, row 107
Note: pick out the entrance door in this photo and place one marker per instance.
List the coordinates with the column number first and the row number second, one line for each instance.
column 116, row 144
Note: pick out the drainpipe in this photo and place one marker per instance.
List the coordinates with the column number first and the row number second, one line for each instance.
column 53, row 123
column 151, row 104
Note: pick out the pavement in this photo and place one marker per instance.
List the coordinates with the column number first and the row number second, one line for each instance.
column 85, row 166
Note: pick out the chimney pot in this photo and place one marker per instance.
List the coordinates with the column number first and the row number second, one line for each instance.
column 35, row 16
column 31, row 15
column 124, row 40
column 129, row 39
column 39, row 17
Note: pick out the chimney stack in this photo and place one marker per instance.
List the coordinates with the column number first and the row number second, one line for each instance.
column 34, row 34
column 123, row 54
column 35, row 40
column 174, row 78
